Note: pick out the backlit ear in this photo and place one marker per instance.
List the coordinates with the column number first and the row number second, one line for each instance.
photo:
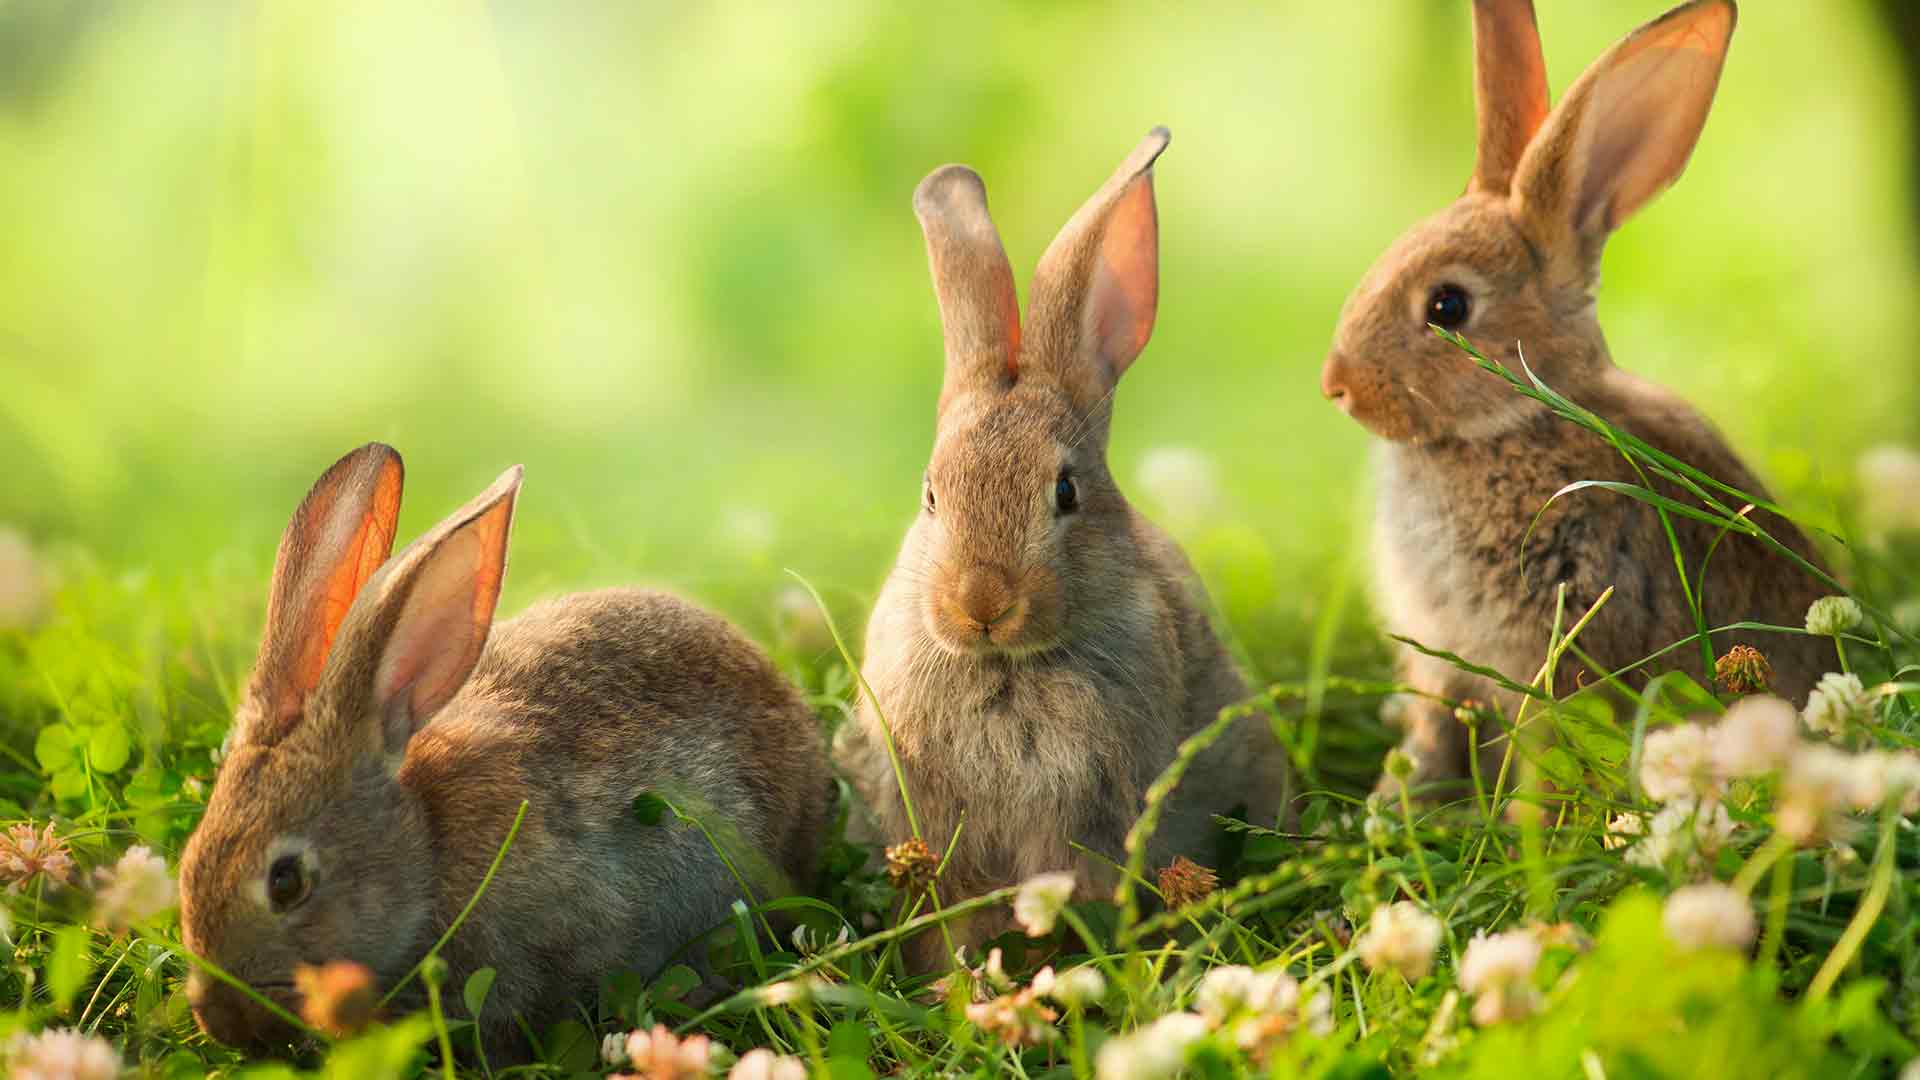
column 1510, row 89
column 429, row 615
column 341, row 534
column 1623, row 133
column 1097, row 290
column 979, row 311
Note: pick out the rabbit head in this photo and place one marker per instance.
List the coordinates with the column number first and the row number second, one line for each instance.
column 1018, row 511
column 1516, row 258
column 311, row 848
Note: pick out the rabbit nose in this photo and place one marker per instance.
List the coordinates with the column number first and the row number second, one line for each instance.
column 218, row 1010
column 985, row 595
column 1333, row 380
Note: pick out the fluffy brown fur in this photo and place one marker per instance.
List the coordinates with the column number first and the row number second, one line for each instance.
column 1465, row 463
column 410, row 747
column 1040, row 665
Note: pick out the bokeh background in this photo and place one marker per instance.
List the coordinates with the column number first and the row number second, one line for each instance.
column 663, row 255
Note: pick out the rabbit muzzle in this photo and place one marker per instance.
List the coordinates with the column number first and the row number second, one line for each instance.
column 981, row 610
column 231, row 1018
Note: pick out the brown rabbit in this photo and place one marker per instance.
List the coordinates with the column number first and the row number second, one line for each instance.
column 1464, row 462
column 387, row 738
column 1040, row 649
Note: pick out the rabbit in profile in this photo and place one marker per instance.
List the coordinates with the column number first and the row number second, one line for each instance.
column 1040, row 649
column 390, row 732
column 1463, row 463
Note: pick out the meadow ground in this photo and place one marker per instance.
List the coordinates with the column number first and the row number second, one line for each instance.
column 696, row 308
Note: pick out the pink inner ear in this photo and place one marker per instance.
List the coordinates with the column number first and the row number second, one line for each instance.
column 443, row 625
column 1124, row 293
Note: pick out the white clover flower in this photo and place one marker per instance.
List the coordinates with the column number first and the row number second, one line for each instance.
column 1401, row 937
column 1675, row 764
column 1821, row 782
column 1040, row 900
column 1235, row 988
column 613, row 1050
column 764, row 1064
column 662, row 1053
column 1831, row 616
column 1756, row 737
column 1155, row 1052
column 1623, row 829
column 23, row 589
column 1709, row 916
column 1183, row 482
column 1837, row 703
column 808, row 943
column 1683, row 827
column 61, row 1054
column 1075, row 988
column 1495, row 960
column 136, row 890
column 1890, row 487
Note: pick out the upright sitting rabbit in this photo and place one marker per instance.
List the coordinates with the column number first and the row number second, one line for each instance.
column 1040, row 649
column 386, row 741
column 1464, row 463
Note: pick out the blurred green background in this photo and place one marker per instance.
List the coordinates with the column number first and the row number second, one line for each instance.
column 663, row 255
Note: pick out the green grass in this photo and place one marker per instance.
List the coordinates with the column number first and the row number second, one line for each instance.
column 126, row 708
column 665, row 258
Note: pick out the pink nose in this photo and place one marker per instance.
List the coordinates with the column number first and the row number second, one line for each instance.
column 984, row 595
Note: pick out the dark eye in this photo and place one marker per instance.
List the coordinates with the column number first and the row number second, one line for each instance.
column 1448, row 307
column 926, row 494
column 1065, row 495
column 286, row 882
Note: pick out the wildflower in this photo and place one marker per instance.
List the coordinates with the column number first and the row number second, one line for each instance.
column 613, row 1050
column 23, row 589
column 337, row 998
column 61, row 1054
column 1186, row 882
column 137, row 889
column 1258, row 1035
column 1623, row 829
column 1235, row 988
column 791, row 992
column 1837, row 703
column 764, row 1064
column 1831, row 616
column 1016, row 1019
column 1683, row 828
column 808, row 943
column 1154, row 1052
column 911, row 865
column 1401, row 937
column 1498, row 970
column 1709, row 916
column 1400, row 764
column 1674, row 765
column 1880, row 776
column 1890, row 487
column 1743, row 670
column 1183, row 482
column 1040, row 900
column 25, row 854
column 994, row 974
column 1756, row 737
column 661, row 1055
column 1073, row 988
column 1819, row 785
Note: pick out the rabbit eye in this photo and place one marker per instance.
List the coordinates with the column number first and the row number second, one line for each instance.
column 926, row 494
column 286, row 883
column 1448, row 307
column 1066, row 496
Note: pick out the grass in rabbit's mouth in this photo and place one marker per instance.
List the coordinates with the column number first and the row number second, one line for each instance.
column 1684, row 882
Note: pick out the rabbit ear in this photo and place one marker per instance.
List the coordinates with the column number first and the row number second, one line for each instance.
column 1623, row 133
column 340, row 535
column 422, row 625
column 1098, row 285
column 978, row 308
column 1510, row 89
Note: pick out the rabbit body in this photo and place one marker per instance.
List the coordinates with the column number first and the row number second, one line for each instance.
column 1464, row 463
column 1040, row 650
column 390, row 734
